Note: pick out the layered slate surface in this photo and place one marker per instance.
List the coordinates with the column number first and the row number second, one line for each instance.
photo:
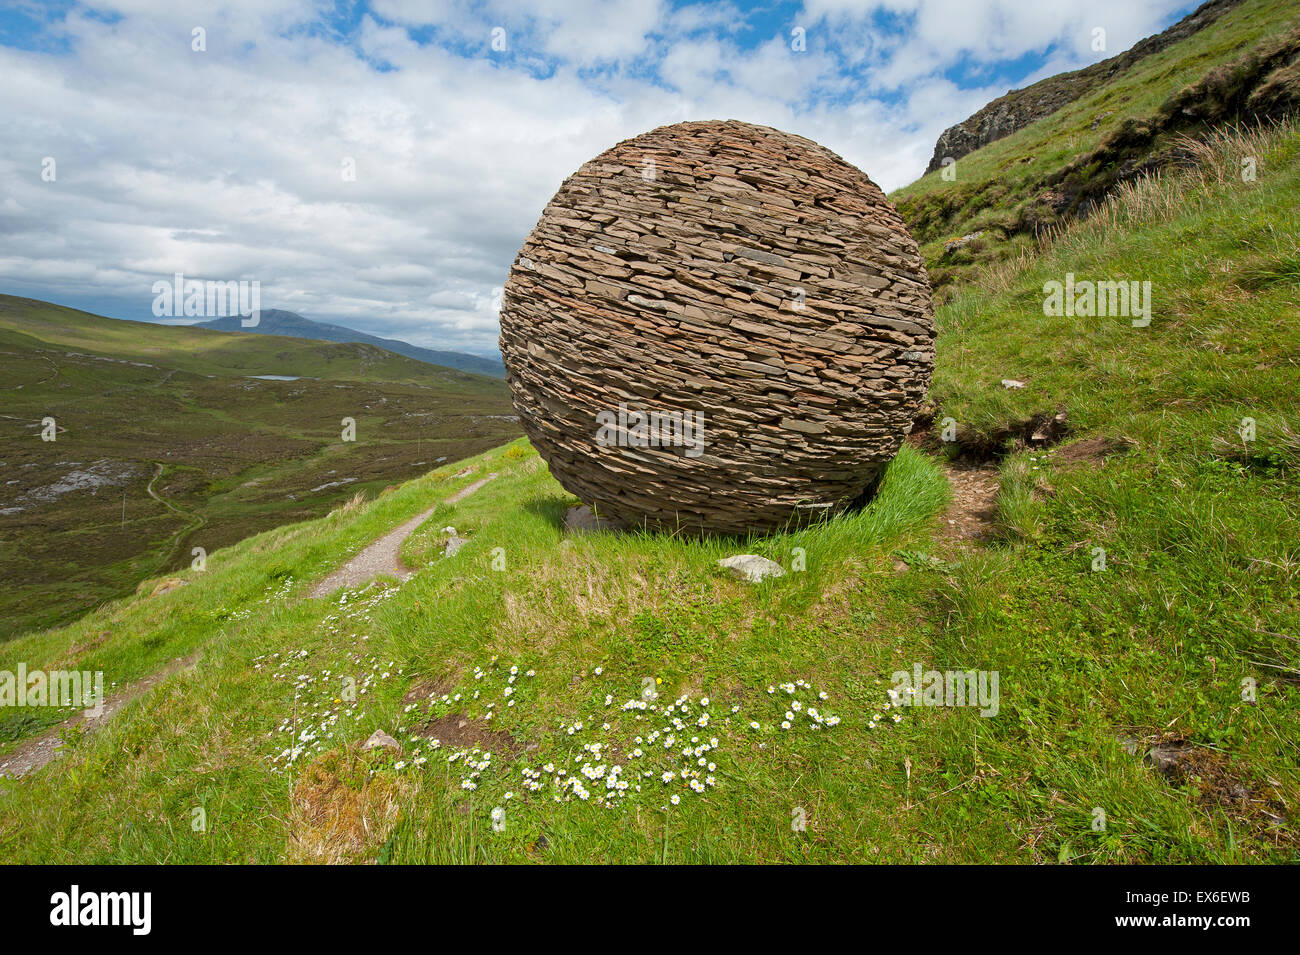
column 731, row 271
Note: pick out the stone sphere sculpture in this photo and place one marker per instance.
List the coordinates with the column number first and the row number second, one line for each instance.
column 717, row 327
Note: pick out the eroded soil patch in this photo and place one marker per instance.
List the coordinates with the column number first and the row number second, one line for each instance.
column 426, row 690
column 970, row 517
column 1088, row 451
column 1216, row 782
column 455, row 731
column 1043, row 430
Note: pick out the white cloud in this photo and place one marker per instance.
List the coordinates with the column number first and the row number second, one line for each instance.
column 229, row 163
column 940, row 32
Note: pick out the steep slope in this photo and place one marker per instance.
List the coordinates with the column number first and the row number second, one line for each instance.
column 996, row 202
column 1135, row 601
column 275, row 321
column 165, row 439
column 1018, row 108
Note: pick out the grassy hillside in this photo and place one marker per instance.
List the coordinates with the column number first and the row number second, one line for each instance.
column 1032, row 182
column 165, row 443
column 1195, row 605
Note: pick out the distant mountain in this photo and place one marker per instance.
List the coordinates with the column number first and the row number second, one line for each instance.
column 275, row 321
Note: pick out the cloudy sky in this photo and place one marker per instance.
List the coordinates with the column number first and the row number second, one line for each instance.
column 458, row 119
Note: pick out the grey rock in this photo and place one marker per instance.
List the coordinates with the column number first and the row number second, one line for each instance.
column 380, row 740
column 965, row 240
column 1018, row 108
column 751, row 568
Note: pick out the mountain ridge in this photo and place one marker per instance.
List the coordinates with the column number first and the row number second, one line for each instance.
column 278, row 321
column 1002, row 200
column 1016, row 109
column 124, row 444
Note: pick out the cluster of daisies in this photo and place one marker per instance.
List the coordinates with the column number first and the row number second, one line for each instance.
column 475, row 760
column 281, row 593
column 623, row 750
column 436, row 705
column 319, row 713
column 796, row 708
column 897, row 698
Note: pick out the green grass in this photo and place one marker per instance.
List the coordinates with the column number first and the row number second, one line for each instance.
column 1200, row 529
column 640, row 607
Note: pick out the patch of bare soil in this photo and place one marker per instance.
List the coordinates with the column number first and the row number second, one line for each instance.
column 1043, row 430
column 37, row 752
column 1216, row 782
column 427, row 689
column 972, row 468
column 970, row 516
column 1088, row 451
column 460, row 732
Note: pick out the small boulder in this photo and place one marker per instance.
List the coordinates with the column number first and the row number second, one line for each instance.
column 380, row 740
column 167, row 586
column 454, row 544
column 751, row 568
column 952, row 245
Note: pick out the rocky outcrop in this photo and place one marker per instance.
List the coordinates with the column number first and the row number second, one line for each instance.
column 1258, row 86
column 717, row 327
column 1262, row 85
column 1018, row 108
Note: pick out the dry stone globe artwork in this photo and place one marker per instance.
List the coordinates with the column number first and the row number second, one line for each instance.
column 717, row 327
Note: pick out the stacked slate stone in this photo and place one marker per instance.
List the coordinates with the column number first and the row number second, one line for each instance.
column 733, row 272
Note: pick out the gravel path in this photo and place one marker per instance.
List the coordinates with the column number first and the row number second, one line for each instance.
column 384, row 555
column 39, row 750
column 971, row 516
